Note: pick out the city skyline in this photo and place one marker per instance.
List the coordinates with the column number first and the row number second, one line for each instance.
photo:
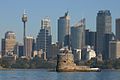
column 36, row 10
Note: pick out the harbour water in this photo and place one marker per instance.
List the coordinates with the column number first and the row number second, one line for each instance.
column 41, row 74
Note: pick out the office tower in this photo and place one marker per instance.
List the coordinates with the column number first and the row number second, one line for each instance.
column 64, row 30
column 44, row 38
column 8, row 43
column 90, row 38
column 19, row 49
column 28, row 46
column 78, row 35
column 87, row 37
column 107, row 38
column 114, row 49
column 45, row 24
column 118, row 29
column 103, row 26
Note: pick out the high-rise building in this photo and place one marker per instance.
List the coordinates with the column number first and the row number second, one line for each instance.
column 103, row 26
column 107, row 38
column 90, row 38
column 78, row 35
column 64, row 30
column 19, row 49
column 45, row 24
column 87, row 37
column 114, row 49
column 28, row 46
column 44, row 38
column 8, row 43
column 118, row 29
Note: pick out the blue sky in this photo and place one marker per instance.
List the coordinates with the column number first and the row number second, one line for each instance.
column 12, row 10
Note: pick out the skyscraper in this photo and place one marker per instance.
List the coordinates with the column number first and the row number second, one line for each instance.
column 118, row 28
column 90, row 38
column 103, row 26
column 107, row 38
column 44, row 38
column 64, row 30
column 45, row 24
column 28, row 46
column 8, row 43
column 78, row 35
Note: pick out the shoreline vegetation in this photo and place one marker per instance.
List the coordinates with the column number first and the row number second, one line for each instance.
column 38, row 63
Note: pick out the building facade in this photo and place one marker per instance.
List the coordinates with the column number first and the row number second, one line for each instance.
column 114, row 49
column 107, row 38
column 90, row 38
column 64, row 30
column 28, row 46
column 103, row 26
column 87, row 53
column 8, row 43
column 118, row 29
column 53, row 51
column 78, row 35
column 44, row 38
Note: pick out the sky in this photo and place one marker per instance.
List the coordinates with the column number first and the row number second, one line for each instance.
column 11, row 12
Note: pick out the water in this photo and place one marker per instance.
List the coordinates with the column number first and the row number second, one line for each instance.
column 47, row 75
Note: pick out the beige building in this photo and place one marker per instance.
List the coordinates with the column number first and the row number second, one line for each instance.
column 9, row 42
column 114, row 49
column 28, row 46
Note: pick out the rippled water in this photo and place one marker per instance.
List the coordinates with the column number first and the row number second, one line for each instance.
column 47, row 75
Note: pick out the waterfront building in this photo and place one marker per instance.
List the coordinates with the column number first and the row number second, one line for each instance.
column 99, row 57
column 9, row 58
column 103, row 26
column 77, row 55
column 88, row 53
column 64, row 30
column 38, row 53
column 8, row 43
column 53, row 51
column 114, row 49
column 78, row 35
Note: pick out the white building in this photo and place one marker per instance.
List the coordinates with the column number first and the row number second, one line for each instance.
column 90, row 53
column 77, row 54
